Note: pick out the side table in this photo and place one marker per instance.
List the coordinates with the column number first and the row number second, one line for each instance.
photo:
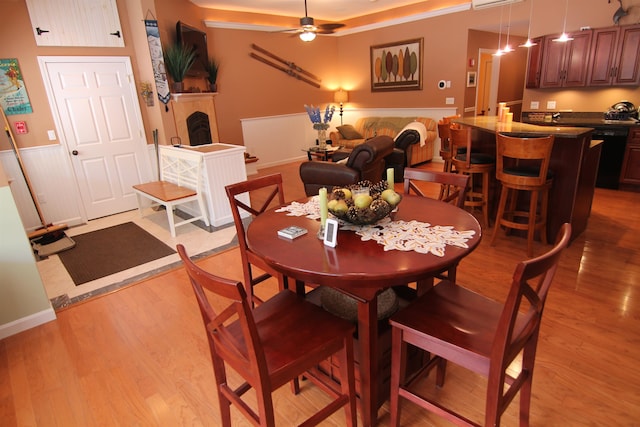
column 323, row 154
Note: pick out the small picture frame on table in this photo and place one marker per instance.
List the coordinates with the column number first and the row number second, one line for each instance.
column 331, row 232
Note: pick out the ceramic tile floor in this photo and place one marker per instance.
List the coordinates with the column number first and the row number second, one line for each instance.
column 197, row 239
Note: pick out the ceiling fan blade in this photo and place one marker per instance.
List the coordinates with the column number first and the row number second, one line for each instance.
column 330, row 26
column 325, row 32
column 289, row 30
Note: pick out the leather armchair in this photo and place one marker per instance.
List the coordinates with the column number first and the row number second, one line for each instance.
column 401, row 154
column 365, row 162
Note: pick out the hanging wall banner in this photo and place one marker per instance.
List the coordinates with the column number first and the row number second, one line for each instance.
column 157, row 61
column 13, row 93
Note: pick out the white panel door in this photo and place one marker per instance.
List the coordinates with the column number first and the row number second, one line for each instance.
column 94, row 102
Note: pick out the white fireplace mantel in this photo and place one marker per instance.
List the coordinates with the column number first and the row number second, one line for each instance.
column 185, row 104
column 192, row 96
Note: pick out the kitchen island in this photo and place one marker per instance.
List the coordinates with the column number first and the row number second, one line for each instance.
column 574, row 162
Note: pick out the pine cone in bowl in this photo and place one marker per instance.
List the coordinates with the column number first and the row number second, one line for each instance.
column 363, row 203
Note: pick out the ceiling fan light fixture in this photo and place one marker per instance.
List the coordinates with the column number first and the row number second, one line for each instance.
column 307, row 36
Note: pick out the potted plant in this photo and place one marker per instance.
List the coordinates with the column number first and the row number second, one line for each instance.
column 211, row 67
column 178, row 58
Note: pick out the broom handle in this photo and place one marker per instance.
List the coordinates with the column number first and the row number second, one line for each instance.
column 12, row 140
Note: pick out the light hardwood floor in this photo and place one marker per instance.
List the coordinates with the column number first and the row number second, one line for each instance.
column 139, row 356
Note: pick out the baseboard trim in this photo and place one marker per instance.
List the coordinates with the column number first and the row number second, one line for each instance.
column 27, row 322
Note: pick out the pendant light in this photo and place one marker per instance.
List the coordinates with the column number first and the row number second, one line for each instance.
column 564, row 37
column 529, row 43
column 499, row 52
column 507, row 46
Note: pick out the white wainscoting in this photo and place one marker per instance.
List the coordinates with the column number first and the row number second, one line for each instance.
column 276, row 140
column 53, row 182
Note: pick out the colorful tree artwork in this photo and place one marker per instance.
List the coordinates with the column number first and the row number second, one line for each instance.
column 397, row 66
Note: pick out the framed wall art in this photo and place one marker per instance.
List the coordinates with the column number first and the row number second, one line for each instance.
column 471, row 79
column 397, row 66
column 13, row 93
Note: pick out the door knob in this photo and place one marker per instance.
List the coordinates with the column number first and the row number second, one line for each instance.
column 74, row 152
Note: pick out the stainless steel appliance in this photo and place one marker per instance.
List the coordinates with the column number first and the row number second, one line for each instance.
column 623, row 110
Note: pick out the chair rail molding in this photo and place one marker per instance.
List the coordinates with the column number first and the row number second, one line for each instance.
column 277, row 140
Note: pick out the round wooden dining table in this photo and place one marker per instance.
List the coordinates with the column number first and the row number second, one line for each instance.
column 361, row 269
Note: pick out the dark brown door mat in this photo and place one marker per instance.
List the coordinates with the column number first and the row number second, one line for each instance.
column 110, row 250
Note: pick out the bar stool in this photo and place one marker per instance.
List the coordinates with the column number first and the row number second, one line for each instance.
column 445, row 141
column 522, row 164
column 469, row 163
column 445, row 152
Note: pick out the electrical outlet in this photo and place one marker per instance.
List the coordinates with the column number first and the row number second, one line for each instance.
column 450, row 101
column 534, row 105
column 551, row 105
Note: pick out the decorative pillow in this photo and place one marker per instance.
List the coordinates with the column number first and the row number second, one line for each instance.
column 349, row 132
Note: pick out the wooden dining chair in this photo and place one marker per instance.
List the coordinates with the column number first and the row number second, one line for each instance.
column 453, row 323
column 456, row 183
column 261, row 192
column 281, row 339
column 456, row 190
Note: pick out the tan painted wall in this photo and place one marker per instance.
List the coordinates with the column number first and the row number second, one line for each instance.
column 248, row 88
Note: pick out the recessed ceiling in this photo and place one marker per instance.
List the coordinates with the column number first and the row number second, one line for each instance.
column 346, row 10
column 326, row 10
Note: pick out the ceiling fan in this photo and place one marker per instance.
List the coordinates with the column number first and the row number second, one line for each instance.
column 308, row 29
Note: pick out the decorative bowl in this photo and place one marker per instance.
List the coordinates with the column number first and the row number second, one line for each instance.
column 346, row 205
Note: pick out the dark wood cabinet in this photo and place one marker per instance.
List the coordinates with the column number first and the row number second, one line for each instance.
column 535, row 63
column 631, row 165
column 614, row 56
column 628, row 56
column 564, row 64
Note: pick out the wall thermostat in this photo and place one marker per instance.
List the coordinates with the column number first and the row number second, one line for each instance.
column 442, row 84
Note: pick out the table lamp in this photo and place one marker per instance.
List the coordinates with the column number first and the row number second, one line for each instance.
column 341, row 97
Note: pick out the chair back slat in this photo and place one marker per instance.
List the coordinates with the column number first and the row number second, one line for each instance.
column 181, row 168
column 444, row 132
column 525, row 154
column 456, row 183
column 261, row 192
column 529, row 289
column 237, row 315
column 461, row 142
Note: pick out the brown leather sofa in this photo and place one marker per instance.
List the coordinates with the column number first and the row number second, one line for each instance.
column 365, row 162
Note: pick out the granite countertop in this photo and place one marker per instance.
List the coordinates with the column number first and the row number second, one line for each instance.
column 490, row 123
column 588, row 119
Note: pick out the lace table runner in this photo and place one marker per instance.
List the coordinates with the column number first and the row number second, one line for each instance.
column 413, row 235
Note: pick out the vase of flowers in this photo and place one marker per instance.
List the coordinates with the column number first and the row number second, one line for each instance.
column 321, row 124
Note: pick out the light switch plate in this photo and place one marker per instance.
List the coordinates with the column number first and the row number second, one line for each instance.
column 551, row 105
column 52, row 135
column 534, row 105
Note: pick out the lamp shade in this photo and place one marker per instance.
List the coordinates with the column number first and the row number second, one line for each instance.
column 341, row 96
